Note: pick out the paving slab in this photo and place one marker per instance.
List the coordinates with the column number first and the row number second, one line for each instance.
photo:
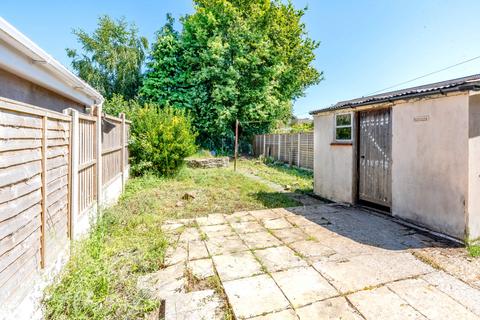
column 254, row 296
column 283, row 212
column 260, row 240
column 458, row 290
column 217, row 246
column 382, row 303
column 205, row 304
column 201, row 269
column 359, row 272
column 197, row 250
column 164, row 282
column 279, row 223
column 279, row 258
column 290, row 235
column 312, row 250
column 300, row 221
column 430, row 301
column 236, row 265
column 319, row 232
column 173, row 227
column 288, row 314
column 240, row 216
column 217, row 231
column 349, row 248
column 189, row 234
column 335, row 308
column 247, row 227
column 303, row 286
column 175, row 255
column 266, row 214
column 211, row 219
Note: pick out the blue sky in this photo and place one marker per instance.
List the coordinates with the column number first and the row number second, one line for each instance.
column 365, row 45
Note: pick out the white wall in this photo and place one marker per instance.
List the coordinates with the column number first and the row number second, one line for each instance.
column 333, row 164
column 430, row 163
column 474, row 169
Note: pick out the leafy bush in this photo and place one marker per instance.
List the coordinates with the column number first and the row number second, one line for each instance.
column 161, row 139
column 118, row 104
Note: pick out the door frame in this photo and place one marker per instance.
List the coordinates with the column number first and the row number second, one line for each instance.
column 356, row 160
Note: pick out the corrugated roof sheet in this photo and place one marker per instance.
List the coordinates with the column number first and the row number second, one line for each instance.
column 449, row 85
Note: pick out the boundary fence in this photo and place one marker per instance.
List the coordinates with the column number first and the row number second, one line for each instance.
column 293, row 148
column 55, row 171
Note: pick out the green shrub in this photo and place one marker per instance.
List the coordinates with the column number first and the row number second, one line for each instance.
column 161, row 139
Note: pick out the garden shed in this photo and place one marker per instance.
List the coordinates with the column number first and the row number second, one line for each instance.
column 414, row 153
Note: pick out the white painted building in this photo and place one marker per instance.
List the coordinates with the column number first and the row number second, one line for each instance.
column 414, row 153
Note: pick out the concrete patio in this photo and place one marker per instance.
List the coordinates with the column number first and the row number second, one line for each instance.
column 313, row 262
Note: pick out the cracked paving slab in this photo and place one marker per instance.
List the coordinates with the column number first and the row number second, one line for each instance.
column 303, row 286
column 247, row 227
column 382, row 303
column 359, row 272
column 279, row 258
column 260, row 240
column 205, row 304
column 429, row 300
column 236, row 265
column 254, row 296
column 335, row 308
column 218, row 246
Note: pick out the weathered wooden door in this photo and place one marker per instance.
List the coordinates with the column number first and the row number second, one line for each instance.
column 375, row 154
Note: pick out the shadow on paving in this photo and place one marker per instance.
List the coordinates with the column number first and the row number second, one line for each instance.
column 369, row 228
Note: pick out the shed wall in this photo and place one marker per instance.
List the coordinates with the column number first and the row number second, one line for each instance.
column 333, row 164
column 19, row 89
column 474, row 168
column 430, row 162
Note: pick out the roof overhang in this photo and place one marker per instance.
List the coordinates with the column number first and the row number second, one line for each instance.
column 22, row 57
column 457, row 85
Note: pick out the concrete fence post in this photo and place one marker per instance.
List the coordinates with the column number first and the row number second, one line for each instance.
column 122, row 116
column 289, row 144
column 298, row 149
column 264, row 142
column 99, row 156
column 74, row 166
column 279, row 146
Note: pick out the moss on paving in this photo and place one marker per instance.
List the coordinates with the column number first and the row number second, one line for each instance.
column 474, row 250
column 99, row 282
column 299, row 180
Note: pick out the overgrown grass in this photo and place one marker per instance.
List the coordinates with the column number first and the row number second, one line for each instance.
column 298, row 179
column 201, row 154
column 474, row 250
column 99, row 281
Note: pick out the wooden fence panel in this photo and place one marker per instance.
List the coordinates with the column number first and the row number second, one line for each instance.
column 111, row 148
column 87, row 159
column 57, row 178
column 50, row 169
column 292, row 148
column 34, row 161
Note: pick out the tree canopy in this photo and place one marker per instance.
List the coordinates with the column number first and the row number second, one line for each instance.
column 111, row 58
column 233, row 59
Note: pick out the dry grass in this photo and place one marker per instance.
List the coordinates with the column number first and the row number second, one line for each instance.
column 298, row 179
column 99, row 282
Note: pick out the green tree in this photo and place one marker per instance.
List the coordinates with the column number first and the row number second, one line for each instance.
column 234, row 59
column 111, row 58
